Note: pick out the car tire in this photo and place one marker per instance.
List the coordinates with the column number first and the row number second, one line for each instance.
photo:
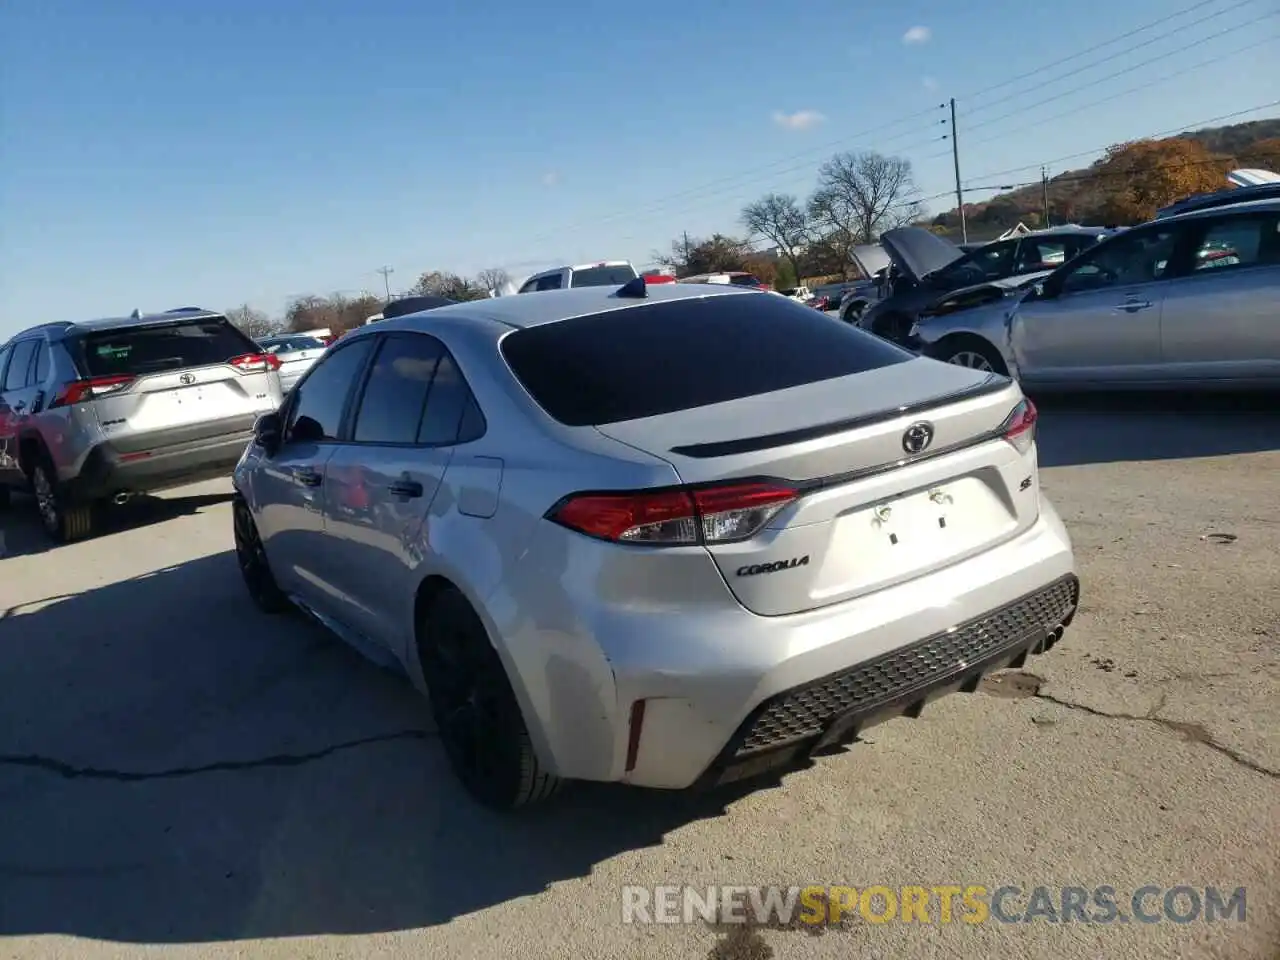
column 974, row 353
column 251, row 556
column 853, row 313
column 63, row 520
column 477, row 716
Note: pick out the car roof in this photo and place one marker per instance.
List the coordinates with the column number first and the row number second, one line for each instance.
column 1243, row 206
column 551, row 306
column 67, row 327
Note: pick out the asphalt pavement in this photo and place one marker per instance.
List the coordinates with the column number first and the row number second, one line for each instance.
column 179, row 771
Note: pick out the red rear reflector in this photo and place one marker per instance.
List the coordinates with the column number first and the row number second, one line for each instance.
column 126, row 457
column 255, row 362
column 1020, row 427
column 80, row 391
column 680, row 516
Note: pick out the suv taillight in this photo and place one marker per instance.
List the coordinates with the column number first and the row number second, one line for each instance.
column 1020, row 428
column 255, row 362
column 680, row 516
column 80, row 391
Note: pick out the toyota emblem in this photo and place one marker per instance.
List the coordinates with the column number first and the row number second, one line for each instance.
column 191, row 378
column 918, row 437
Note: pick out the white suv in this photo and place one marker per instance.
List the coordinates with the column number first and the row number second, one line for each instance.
column 606, row 273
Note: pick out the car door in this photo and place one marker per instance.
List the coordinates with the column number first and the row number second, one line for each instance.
column 289, row 485
column 384, row 479
column 10, row 474
column 1098, row 319
column 1220, row 317
column 19, row 397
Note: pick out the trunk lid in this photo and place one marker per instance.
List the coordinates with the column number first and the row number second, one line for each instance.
column 917, row 253
column 182, row 398
column 870, row 258
column 872, row 514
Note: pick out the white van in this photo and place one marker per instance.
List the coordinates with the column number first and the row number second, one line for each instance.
column 606, row 273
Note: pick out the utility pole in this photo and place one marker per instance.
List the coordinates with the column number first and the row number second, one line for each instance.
column 1044, row 187
column 386, row 280
column 955, row 156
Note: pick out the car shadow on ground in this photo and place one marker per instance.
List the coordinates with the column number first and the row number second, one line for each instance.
column 1117, row 427
column 176, row 767
column 22, row 535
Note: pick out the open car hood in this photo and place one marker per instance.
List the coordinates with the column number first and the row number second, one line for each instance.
column 980, row 294
column 917, row 253
column 870, row 258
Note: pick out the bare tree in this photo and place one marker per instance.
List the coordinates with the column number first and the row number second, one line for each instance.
column 493, row 278
column 451, row 285
column 860, row 196
column 782, row 219
column 252, row 323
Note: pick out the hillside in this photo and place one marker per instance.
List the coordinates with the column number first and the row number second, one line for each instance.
column 1085, row 195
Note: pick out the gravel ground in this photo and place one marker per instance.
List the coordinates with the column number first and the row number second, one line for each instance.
column 180, row 775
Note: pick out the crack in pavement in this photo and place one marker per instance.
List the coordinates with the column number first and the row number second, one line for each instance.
column 1193, row 732
column 71, row 772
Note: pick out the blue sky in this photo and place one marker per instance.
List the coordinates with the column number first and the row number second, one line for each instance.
column 156, row 154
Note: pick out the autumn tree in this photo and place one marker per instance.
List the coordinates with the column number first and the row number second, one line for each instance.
column 253, row 323
column 859, row 197
column 1261, row 155
column 1137, row 179
column 337, row 312
column 443, row 283
column 717, row 254
column 782, row 219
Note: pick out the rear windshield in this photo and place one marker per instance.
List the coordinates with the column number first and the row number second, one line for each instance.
column 744, row 280
column 660, row 358
column 603, row 276
column 291, row 344
column 149, row 349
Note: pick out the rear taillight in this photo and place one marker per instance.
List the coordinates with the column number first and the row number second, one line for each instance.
column 682, row 516
column 1020, row 428
column 255, row 362
column 81, row 391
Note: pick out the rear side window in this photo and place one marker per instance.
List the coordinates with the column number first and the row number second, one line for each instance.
column 19, row 363
column 660, row 358
column 602, row 276
column 452, row 415
column 150, row 349
column 40, row 368
column 1241, row 241
column 550, row 282
column 396, row 390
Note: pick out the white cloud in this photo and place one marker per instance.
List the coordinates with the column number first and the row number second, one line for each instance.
column 800, row 120
column 550, row 178
column 917, row 35
column 929, row 83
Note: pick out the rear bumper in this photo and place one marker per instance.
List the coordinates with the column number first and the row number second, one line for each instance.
column 162, row 460
column 728, row 694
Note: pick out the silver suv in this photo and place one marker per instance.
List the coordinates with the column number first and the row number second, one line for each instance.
column 102, row 410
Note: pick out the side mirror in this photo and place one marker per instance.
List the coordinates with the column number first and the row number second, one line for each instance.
column 268, row 432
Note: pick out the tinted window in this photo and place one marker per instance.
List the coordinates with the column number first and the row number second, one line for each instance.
column 4, row 359
column 744, row 280
column 602, row 277
column 446, row 403
column 319, row 399
column 40, row 370
column 290, row 344
column 1135, row 257
column 396, row 390
column 551, row 282
column 1043, row 254
column 1239, row 242
column 149, row 349
column 991, row 262
column 16, row 378
column 662, row 357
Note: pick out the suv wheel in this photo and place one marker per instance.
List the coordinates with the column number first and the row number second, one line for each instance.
column 62, row 520
column 251, row 555
column 475, row 710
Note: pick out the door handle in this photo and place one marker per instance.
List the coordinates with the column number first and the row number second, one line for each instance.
column 1132, row 306
column 310, row 478
column 406, row 488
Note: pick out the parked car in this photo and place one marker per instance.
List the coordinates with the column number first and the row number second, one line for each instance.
column 733, row 278
column 606, row 273
column 296, row 354
column 1188, row 300
column 667, row 580
column 799, row 294
column 926, row 265
column 106, row 409
column 873, row 263
column 827, row 296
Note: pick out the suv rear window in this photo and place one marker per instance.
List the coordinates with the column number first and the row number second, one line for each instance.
column 659, row 358
column 150, row 349
column 603, row 276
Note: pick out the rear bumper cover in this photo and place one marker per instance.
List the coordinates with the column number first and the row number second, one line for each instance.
column 161, row 460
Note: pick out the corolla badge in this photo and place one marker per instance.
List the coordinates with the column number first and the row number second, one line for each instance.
column 755, row 569
column 917, row 437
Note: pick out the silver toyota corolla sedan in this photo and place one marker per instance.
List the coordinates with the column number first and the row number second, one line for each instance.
column 666, row 535
column 1184, row 301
